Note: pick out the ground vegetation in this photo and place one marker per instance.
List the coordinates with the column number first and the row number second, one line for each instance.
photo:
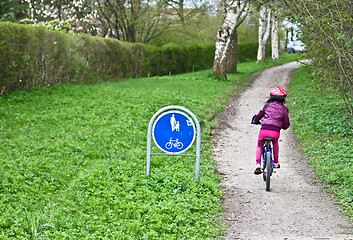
column 321, row 123
column 73, row 160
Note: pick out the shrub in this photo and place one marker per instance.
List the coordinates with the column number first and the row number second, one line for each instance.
column 35, row 57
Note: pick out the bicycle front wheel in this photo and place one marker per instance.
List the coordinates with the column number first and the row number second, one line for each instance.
column 268, row 170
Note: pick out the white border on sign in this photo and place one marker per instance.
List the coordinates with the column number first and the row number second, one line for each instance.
column 173, row 111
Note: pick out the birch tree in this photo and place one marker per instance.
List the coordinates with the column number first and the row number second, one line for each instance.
column 264, row 31
column 274, row 38
column 234, row 12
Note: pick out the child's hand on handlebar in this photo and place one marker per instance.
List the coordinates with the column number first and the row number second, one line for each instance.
column 253, row 120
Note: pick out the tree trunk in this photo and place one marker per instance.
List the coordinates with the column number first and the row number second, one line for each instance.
column 264, row 31
column 232, row 58
column 181, row 11
column 226, row 38
column 274, row 38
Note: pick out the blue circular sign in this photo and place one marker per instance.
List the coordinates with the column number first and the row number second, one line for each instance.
column 173, row 132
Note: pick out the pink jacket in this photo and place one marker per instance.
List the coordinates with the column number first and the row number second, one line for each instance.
column 274, row 117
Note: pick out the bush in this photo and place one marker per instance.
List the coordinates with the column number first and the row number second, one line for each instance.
column 36, row 57
column 248, row 51
column 329, row 47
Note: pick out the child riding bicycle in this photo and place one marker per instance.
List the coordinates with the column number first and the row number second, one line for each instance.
column 274, row 117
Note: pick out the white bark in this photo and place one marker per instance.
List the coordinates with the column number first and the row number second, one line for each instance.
column 264, row 31
column 233, row 12
column 274, row 38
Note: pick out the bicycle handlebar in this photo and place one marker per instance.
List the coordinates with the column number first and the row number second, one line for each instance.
column 253, row 122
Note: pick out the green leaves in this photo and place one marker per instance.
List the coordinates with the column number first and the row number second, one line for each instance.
column 73, row 162
column 326, row 28
column 73, row 159
column 319, row 119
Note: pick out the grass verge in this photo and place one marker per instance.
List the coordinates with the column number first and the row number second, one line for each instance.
column 72, row 160
column 320, row 123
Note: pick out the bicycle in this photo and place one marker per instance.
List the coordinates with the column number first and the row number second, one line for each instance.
column 267, row 159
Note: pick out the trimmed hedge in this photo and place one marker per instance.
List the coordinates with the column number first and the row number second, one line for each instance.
column 248, row 51
column 35, row 57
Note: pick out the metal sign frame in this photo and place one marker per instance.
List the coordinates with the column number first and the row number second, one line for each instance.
column 198, row 140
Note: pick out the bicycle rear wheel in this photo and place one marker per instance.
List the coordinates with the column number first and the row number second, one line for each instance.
column 268, row 170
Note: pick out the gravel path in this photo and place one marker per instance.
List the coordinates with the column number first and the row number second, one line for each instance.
column 296, row 207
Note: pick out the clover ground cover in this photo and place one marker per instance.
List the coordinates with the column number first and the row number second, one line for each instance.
column 72, row 160
column 321, row 123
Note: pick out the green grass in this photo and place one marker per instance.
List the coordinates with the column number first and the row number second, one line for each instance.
column 72, row 160
column 319, row 120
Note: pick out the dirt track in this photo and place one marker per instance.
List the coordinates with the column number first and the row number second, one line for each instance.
column 296, row 207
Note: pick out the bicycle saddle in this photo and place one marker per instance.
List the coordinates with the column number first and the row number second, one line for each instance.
column 268, row 139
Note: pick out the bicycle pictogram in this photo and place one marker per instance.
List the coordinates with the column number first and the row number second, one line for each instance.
column 174, row 143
